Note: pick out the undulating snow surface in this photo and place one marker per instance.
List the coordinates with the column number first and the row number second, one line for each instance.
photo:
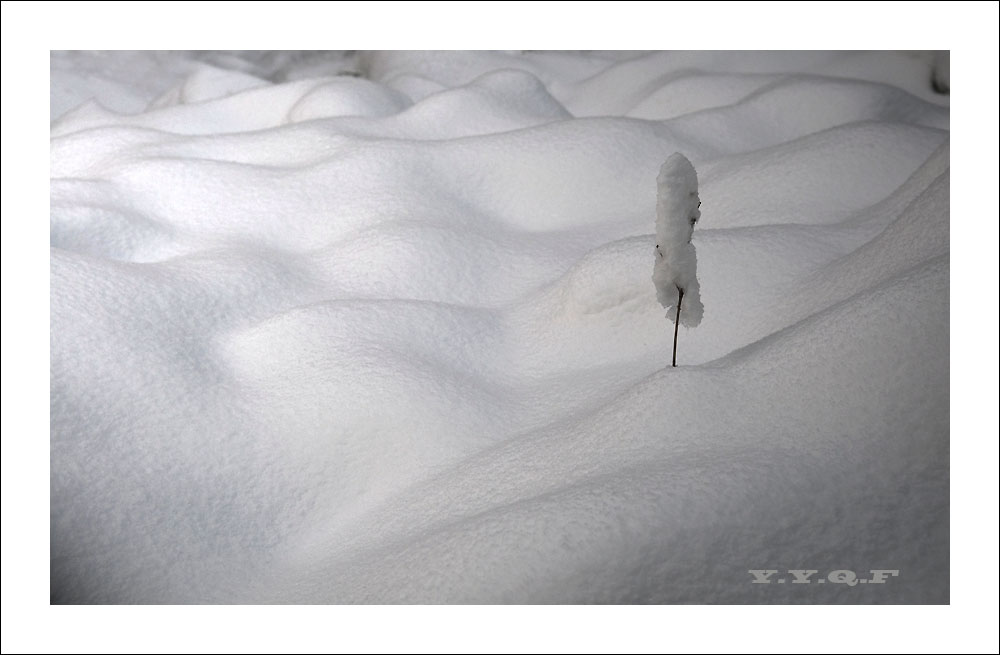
column 380, row 328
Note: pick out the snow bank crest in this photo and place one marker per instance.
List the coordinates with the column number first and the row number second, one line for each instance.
column 675, row 267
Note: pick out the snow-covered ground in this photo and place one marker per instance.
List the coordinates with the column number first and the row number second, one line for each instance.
column 381, row 328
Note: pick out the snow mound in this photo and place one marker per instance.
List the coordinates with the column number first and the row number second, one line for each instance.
column 379, row 328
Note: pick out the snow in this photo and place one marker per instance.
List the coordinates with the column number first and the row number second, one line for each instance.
column 378, row 327
column 675, row 261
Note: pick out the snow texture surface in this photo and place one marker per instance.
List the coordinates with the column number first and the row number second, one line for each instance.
column 675, row 262
column 379, row 328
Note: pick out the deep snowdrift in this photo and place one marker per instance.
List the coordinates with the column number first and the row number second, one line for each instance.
column 391, row 336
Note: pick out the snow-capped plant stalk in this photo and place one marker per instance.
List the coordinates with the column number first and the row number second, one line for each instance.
column 675, row 265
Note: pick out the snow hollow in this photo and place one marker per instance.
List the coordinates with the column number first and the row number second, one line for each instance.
column 380, row 328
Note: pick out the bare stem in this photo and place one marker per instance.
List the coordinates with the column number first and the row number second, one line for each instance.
column 677, row 321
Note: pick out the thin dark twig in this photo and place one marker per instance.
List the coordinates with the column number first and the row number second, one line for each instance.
column 677, row 321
